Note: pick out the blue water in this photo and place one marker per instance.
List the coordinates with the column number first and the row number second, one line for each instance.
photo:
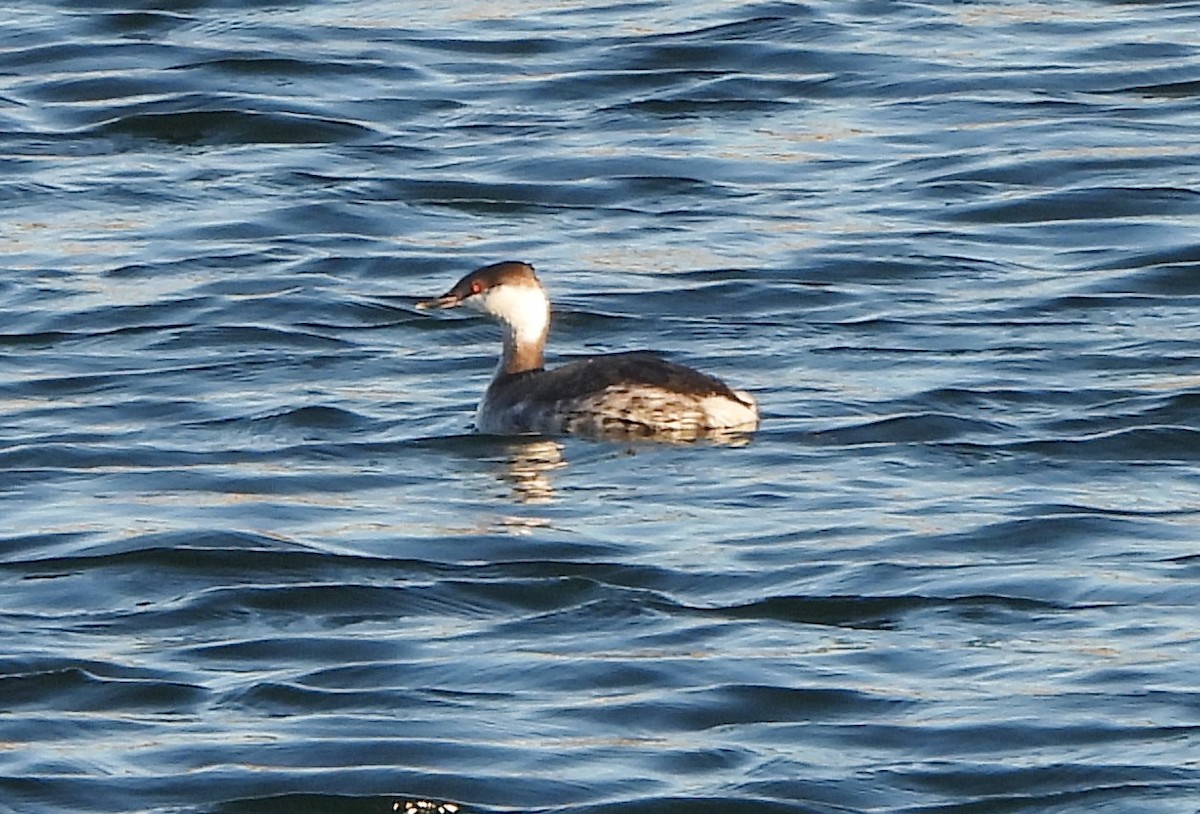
column 253, row 559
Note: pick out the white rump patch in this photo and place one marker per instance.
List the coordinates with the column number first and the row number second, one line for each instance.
column 726, row 414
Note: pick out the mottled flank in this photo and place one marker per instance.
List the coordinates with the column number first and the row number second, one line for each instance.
column 637, row 394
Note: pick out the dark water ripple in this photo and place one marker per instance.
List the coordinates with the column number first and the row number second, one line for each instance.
column 255, row 560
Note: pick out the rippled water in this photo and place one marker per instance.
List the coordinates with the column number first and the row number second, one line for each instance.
column 254, row 560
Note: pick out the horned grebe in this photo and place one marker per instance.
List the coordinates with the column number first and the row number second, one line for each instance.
column 626, row 394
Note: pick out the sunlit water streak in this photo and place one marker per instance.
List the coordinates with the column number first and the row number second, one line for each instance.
column 255, row 559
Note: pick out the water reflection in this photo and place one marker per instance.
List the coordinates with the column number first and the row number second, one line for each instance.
column 529, row 463
column 528, row 467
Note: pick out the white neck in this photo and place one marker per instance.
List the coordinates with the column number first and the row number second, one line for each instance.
column 524, row 312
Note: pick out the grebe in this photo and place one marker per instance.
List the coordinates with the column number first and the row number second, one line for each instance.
column 624, row 394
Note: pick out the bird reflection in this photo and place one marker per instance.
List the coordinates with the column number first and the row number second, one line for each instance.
column 530, row 461
column 528, row 467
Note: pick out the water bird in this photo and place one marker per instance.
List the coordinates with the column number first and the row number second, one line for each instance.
column 631, row 394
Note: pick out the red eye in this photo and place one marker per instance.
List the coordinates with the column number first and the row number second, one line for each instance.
column 476, row 287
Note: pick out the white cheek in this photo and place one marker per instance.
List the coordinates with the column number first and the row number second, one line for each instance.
column 522, row 308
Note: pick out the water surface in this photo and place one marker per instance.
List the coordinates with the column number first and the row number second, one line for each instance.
column 254, row 559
